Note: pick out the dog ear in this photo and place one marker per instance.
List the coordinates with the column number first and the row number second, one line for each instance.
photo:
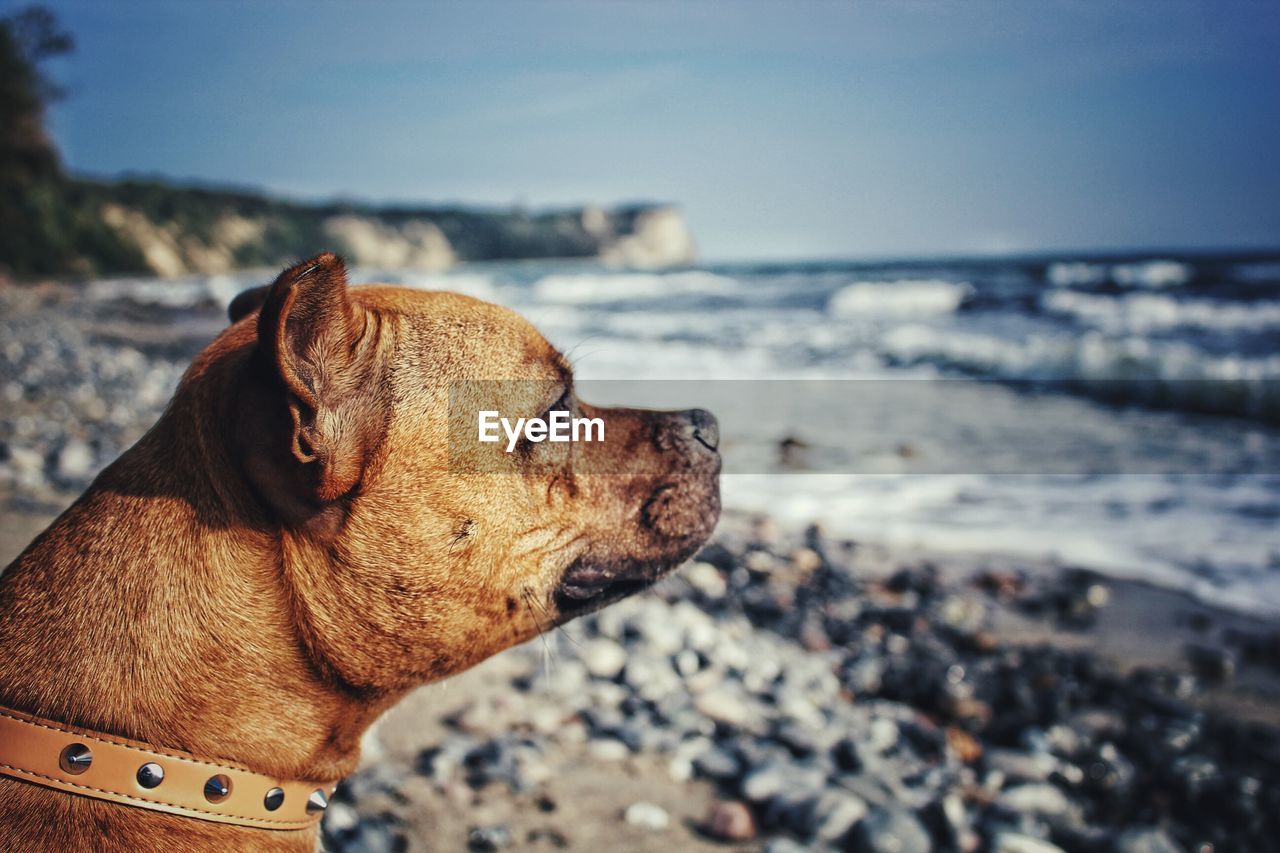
column 246, row 302
column 310, row 337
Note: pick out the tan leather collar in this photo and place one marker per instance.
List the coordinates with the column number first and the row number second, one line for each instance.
column 166, row 780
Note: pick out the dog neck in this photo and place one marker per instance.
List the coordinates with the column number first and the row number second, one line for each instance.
column 158, row 608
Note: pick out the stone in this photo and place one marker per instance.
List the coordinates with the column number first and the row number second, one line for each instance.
column 965, row 746
column 729, row 820
column 608, row 749
column 890, row 830
column 883, row 735
column 717, row 556
column 778, row 778
column 1145, row 840
column 963, row 614
column 723, row 707
column 782, row 844
column 1211, row 663
column 1015, row 842
column 75, row 461
column 799, row 739
column 653, row 678
column 340, row 817
column 603, row 658
column 27, row 465
column 805, row 561
column 648, row 816
column 950, row 822
column 483, row 839
column 716, row 764
column 705, row 578
column 687, row 663
column 1108, row 772
column 370, row 835
column 1037, row 799
column 1023, row 766
column 680, row 769
column 760, row 562
column 847, row 756
column 835, row 813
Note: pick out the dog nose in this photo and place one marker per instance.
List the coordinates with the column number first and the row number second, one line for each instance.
column 703, row 428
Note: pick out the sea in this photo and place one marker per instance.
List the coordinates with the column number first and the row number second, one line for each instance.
column 1117, row 413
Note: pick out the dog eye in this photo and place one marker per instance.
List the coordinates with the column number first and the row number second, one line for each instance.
column 562, row 403
column 565, row 403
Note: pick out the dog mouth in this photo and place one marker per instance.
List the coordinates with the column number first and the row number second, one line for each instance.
column 589, row 586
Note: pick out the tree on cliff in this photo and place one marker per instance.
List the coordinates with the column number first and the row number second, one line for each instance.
column 26, row 39
column 45, row 229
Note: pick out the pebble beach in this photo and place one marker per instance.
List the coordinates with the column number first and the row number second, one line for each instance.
column 789, row 689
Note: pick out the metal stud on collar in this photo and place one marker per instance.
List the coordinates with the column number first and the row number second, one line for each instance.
column 150, row 775
column 317, row 802
column 274, row 799
column 217, row 789
column 75, row 758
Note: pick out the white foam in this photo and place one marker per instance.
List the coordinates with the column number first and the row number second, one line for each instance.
column 180, row 292
column 903, row 298
column 170, row 293
column 584, row 289
column 1152, row 274
column 1075, row 274
column 1141, row 313
column 1043, row 520
column 475, row 284
column 1062, row 356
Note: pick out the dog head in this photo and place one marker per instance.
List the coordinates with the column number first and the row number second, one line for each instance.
column 413, row 549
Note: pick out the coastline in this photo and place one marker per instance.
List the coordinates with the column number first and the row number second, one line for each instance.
column 566, row 743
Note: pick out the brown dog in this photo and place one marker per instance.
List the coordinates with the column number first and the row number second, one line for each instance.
column 298, row 542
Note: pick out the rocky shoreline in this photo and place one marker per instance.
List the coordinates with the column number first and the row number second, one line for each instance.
column 829, row 705
column 784, row 691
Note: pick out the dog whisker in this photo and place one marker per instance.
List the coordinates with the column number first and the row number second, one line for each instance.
column 560, row 629
column 569, row 356
column 548, row 656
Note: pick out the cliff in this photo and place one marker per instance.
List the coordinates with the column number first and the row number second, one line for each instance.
column 56, row 224
column 155, row 227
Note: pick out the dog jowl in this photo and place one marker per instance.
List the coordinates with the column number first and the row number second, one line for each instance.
column 296, row 542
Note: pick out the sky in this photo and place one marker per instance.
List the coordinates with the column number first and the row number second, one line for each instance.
column 802, row 129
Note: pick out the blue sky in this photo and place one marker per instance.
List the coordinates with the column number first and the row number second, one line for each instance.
column 798, row 129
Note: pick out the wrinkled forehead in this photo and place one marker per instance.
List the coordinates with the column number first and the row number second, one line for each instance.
column 451, row 337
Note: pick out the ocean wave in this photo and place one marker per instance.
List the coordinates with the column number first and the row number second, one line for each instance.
column 623, row 287
column 184, row 292
column 1047, row 521
column 1171, row 374
column 903, row 298
column 1261, row 272
column 1075, row 274
column 1149, row 312
column 479, row 285
column 1150, row 275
